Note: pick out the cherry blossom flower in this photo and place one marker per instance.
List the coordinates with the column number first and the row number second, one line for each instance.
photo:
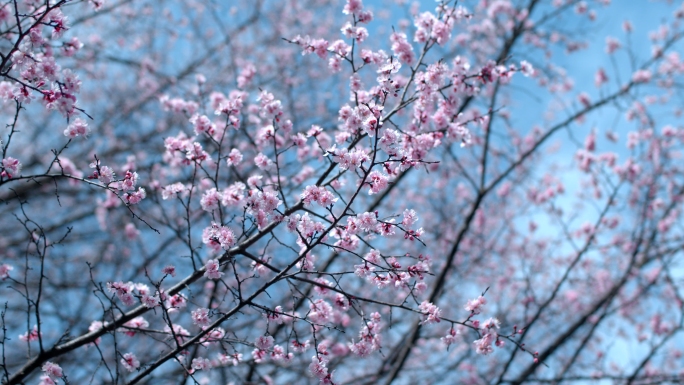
column 129, row 181
column 11, row 167
column 235, row 358
column 262, row 161
column 53, row 370
column 172, row 190
column 431, row 313
column 202, row 125
column 401, row 47
column 130, row 362
column 377, row 182
column 200, row 317
column 77, row 128
column 450, row 338
column 484, row 345
column 319, row 195
column 300, row 347
column 234, row 157
column 32, row 335
column 133, row 198
column 641, row 76
column 210, row 200
column 5, row 271
column 367, row 221
column 353, row 7
column 612, row 44
column 218, row 237
column 176, row 302
column 135, row 323
column 475, row 305
column 123, row 291
column 526, row 68
column 264, row 342
column 318, row 369
column 46, row 380
column 211, row 269
column 200, row 363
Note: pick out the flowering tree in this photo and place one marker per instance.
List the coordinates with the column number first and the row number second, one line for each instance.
column 338, row 192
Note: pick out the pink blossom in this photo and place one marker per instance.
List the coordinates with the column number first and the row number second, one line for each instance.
column 264, row 201
column 135, row 197
column 264, row 342
column 484, row 345
column 202, row 124
column 235, row 358
column 450, row 338
column 612, row 45
column 410, row 217
column 5, row 13
column 335, row 64
column 103, row 173
column 377, row 182
column 149, row 301
column 367, row 221
column 177, row 301
column 200, row 363
column 135, row 323
column 130, row 362
column 211, row 269
column 641, row 76
column 169, row 270
column 364, row 270
column 131, row 231
column 361, row 348
column 318, row 194
column 584, row 99
column 246, row 75
column 300, row 347
column 218, row 237
column 259, row 355
column 526, row 68
column 129, row 181
column 71, row 47
column 32, row 335
column 172, row 190
column 4, row 271
column 233, row 195
column 200, row 317
column 278, row 354
column 178, row 331
column 318, row 369
column 77, row 128
column 262, row 161
column 441, row 32
column 210, row 200
column 431, row 313
column 53, row 370
column 123, row 291
column 255, row 181
column 600, row 77
column 11, row 167
column 234, row 157
column 475, row 305
column 320, row 311
column 46, row 380
column 401, row 47
column 353, row 7
column 320, row 47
